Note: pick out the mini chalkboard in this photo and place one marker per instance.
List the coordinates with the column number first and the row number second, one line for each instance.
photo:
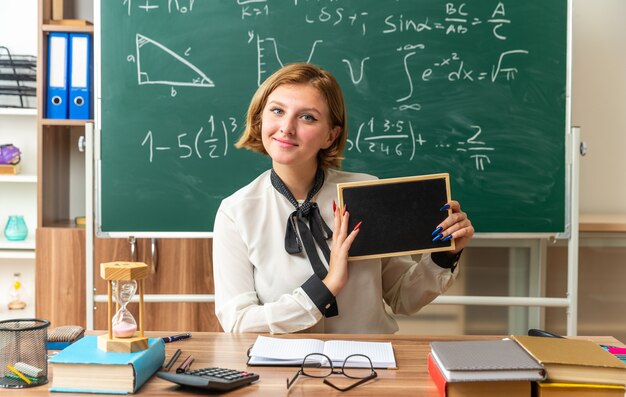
column 398, row 215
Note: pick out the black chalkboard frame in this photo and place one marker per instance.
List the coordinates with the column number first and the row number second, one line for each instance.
column 398, row 215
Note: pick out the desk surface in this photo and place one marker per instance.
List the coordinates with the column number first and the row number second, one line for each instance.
column 229, row 351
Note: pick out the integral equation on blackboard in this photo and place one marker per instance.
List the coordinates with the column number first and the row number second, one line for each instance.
column 409, row 116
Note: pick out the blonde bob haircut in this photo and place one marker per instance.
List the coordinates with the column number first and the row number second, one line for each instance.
column 299, row 73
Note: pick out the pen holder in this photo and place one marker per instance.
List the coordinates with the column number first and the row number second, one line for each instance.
column 23, row 355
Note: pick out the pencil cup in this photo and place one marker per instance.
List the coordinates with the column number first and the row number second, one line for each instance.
column 23, row 354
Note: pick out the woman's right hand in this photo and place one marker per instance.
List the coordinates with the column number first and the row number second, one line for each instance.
column 337, row 276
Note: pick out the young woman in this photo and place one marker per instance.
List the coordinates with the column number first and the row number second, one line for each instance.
column 280, row 244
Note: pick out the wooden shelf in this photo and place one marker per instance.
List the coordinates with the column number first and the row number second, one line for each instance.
column 65, row 122
column 64, row 224
column 603, row 223
column 67, row 28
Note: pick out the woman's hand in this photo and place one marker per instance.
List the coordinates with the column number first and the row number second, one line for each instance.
column 337, row 276
column 456, row 225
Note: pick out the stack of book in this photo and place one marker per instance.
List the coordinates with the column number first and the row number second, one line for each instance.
column 482, row 368
column 526, row 366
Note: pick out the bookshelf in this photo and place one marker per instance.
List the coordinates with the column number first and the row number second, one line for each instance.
column 60, row 253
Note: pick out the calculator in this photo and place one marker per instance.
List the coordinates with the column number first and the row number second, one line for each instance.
column 219, row 379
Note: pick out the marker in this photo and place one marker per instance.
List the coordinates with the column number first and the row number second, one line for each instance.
column 185, row 365
column 174, row 338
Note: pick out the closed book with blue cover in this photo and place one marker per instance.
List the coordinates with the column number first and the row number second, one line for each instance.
column 84, row 368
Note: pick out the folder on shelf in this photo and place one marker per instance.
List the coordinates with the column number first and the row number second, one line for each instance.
column 80, row 91
column 56, row 103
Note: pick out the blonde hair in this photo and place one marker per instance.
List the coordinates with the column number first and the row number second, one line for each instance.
column 299, row 73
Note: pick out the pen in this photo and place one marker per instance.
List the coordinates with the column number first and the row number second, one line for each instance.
column 174, row 338
column 169, row 364
column 185, row 365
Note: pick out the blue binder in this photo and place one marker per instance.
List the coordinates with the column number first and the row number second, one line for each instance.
column 56, row 101
column 81, row 71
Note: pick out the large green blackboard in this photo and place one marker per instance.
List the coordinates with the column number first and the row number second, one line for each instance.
column 476, row 89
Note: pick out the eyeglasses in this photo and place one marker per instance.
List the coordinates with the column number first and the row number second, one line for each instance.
column 355, row 366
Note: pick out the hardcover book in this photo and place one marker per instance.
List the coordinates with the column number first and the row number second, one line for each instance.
column 480, row 388
column 82, row 367
column 554, row 389
column 485, row 360
column 574, row 360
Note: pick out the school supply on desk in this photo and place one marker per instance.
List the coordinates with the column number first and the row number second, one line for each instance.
column 61, row 337
column 215, row 379
column 82, row 367
column 485, row 360
column 399, row 215
column 172, row 360
column 291, row 352
column 19, row 374
column 574, row 360
column 57, row 90
column 541, row 332
column 619, row 352
column 28, row 369
column 174, row 338
column 477, row 388
column 23, row 358
column 554, row 389
column 80, row 81
column 185, row 365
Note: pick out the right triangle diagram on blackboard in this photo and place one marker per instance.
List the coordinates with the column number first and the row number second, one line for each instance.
column 157, row 64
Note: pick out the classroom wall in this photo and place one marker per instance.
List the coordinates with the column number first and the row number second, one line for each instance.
column 599, row 102
column 19, row 34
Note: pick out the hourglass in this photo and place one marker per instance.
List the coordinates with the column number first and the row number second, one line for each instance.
column 124, row 279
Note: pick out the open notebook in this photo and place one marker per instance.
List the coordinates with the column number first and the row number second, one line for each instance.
column 290, row 352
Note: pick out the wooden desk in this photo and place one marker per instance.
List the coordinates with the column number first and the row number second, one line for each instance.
column 229, row 351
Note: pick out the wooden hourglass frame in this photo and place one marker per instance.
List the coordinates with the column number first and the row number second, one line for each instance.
column 123, row 271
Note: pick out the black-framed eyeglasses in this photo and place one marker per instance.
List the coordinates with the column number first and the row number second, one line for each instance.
column 355, row 366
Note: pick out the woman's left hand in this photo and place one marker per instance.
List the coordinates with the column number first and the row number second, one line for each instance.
column 458, row 225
